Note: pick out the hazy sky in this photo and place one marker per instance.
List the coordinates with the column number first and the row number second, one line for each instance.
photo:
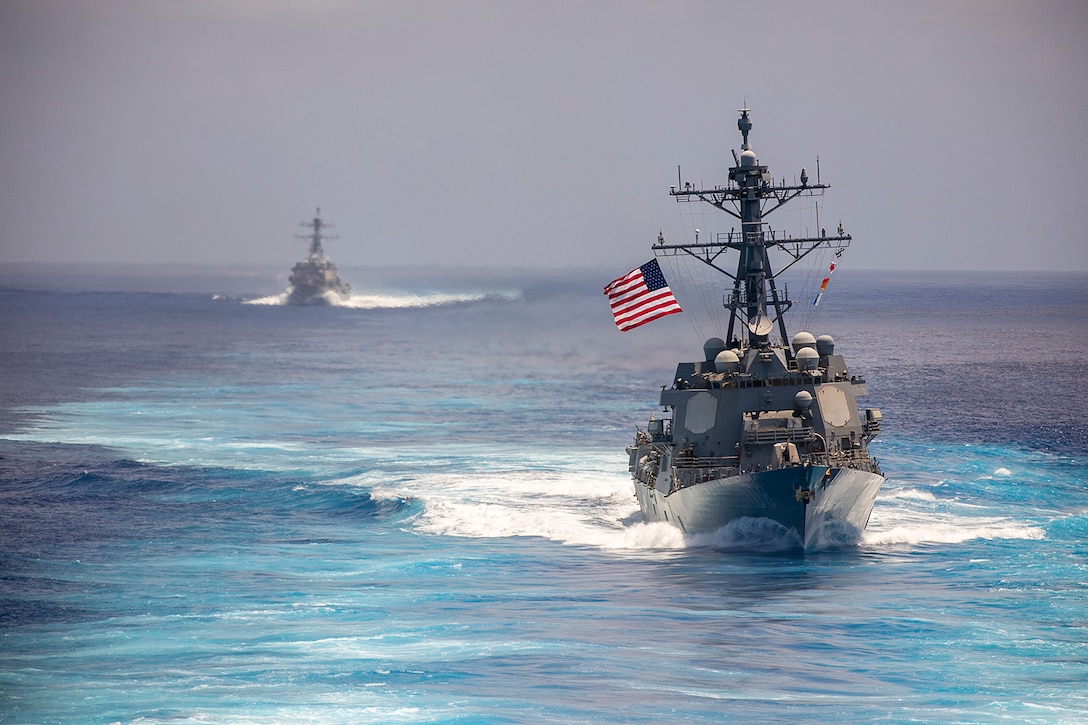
column 954, row 133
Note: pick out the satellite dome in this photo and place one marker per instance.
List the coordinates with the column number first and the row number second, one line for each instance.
column 726, row 362
column 802, row 339
column 825, row 345
column 807, row 359
column 748, row 158
column 712, row 347
column 803, row 400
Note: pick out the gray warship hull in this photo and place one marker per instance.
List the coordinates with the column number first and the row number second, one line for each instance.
column 816, row 506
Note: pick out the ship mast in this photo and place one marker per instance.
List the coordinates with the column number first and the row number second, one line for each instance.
column 315, row 236
column 750, row 195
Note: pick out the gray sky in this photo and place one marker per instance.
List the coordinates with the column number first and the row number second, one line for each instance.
column 529, row 133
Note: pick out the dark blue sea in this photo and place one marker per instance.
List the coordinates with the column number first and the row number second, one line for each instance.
column 415, row 508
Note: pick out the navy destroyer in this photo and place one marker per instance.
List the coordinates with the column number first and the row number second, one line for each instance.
column 314, row 280
column 760, row 428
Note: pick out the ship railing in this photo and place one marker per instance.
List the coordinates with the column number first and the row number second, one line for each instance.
column 682, row 461
column 780, row 435
column 688, row 471
column 855, row 459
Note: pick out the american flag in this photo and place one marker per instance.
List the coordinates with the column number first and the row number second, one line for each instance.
column 640, row 296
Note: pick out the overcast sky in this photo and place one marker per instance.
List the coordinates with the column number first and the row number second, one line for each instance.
column 529, row 133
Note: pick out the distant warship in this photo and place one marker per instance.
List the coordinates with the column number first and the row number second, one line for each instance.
column 314, row 280
column 759, row 429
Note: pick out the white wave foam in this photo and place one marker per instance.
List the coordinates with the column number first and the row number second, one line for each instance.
column 749, row 534
column 595, row 507
column 908, row 493
column 928, row 527
column 592, row 507
column 280, row 299
column 398, row 301
column 950, row 534
column 436, row 299
column 918, row 516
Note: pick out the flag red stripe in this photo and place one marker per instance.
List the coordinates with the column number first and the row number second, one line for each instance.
column 635, row 276
column 618, row 290
column 627, row 317
column 621, row 307
column 625, row 327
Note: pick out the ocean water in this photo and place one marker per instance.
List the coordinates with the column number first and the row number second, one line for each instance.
column 415, row 508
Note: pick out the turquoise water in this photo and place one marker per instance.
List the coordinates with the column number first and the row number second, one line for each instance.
column 222, row 512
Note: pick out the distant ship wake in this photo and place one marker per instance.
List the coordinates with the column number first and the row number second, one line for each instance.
column 395, row 301
column 315, row 282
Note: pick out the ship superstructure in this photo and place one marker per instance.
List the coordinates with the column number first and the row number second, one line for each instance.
column 764, row 426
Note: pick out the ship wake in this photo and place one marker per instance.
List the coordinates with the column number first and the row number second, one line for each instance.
column 399, row 300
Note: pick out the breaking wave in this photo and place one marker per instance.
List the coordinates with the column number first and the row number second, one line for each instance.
column 749, row 534
column 587, row 508
column 911, row 516
column 951, row 531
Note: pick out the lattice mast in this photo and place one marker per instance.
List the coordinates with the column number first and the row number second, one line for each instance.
column 315, row 235
column 750, row 195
